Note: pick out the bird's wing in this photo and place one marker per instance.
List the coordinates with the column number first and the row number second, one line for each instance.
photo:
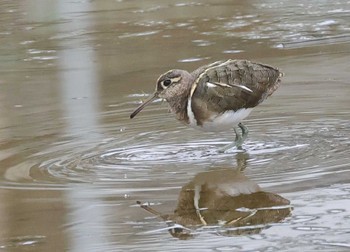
column 232, row 85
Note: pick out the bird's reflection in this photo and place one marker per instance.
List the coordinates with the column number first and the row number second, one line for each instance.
column 226, row 200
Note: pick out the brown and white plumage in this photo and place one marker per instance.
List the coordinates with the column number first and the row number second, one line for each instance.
column 216, row 96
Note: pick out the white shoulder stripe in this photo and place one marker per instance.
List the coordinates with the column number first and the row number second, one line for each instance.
column 191, row 118
column 190, row 114
column 215, row 84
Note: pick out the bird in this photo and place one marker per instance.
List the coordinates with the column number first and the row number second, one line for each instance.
column 217, row 96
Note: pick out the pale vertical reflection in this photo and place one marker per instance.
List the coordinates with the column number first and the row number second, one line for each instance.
column 78, row 73
column 79, row 97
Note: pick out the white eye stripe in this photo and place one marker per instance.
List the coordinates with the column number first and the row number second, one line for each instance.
column 176, row 79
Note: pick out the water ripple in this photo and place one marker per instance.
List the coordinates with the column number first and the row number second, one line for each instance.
column 159, row 154
column 22, row 241
column 302, row 153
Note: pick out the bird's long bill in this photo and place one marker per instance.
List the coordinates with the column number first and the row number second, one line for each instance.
column 144, row 104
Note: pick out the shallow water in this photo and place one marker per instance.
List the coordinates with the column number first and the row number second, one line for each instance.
column 73, row 164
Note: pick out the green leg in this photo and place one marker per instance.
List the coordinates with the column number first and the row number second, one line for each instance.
column 238, row 140
column 245, row 131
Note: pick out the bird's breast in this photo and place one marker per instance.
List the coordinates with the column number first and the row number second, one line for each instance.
column 219, row 122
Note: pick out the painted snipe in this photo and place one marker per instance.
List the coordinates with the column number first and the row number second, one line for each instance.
column 217, row 96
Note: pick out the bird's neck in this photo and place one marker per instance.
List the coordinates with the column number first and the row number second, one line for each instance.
column 178, row 105
column 179, row 99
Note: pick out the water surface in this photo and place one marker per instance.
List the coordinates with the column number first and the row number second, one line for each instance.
column 73, row 164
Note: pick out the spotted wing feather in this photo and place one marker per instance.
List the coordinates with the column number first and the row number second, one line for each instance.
column 220, row 86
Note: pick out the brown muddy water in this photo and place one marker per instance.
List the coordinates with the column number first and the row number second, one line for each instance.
column 73, row 165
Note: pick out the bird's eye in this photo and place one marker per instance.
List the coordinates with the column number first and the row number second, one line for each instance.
column 167, row 82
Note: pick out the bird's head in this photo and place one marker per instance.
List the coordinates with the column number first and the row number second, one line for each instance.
column 169, row 85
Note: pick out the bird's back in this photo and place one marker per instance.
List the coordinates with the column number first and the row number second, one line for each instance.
column 231, row 85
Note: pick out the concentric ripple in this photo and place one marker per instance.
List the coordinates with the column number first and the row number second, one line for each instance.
column 302, row 152
column 286, row 153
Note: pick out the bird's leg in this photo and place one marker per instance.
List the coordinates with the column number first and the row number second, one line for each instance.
column 244, row 131
column 196, row 198
column 227, row 147
column 239, row 138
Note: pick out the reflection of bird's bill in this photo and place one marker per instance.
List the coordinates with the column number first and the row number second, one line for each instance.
column 144, row 104
column 149, row 209
column 175, row 229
